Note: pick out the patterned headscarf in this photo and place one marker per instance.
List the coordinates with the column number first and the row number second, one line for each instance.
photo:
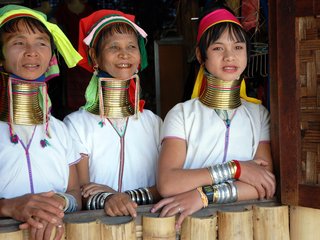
column 64, row 46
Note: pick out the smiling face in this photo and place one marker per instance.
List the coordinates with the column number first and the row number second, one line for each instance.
column 119, row 55
column 26, row 52
column 226, row 57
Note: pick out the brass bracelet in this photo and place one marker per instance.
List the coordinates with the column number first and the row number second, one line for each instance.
column 203, row 197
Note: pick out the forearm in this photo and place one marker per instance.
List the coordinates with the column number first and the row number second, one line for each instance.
column 178, row 181
column 246, row 191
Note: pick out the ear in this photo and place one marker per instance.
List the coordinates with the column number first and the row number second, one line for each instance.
column 93, row 56
column 198, row 55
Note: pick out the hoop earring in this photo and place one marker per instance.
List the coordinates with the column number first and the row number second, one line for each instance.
column 95, row 69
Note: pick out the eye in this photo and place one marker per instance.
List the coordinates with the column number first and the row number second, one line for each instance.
column 19, row 43
column 239, row 47
column 217, row 48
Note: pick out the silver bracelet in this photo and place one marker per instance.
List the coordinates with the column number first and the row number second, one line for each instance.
column 143, row 196
column 150, row 197
column 138, row 200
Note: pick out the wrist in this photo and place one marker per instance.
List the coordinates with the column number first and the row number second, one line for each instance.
column 4, row 208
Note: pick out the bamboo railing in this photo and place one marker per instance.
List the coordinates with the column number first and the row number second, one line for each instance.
column 259, row 220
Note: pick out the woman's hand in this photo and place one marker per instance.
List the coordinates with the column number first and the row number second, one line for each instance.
column 120, row 204
column 184, row 203
column 30, row 207
column 256, row 174
column 47, row 231
column 94, row 188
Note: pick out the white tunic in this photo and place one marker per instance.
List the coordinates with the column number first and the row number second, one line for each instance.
column 209, row 140
column 122, row 163
column 27, row 167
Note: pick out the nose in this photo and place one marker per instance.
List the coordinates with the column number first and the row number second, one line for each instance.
column 124, row 54
column 229, row 55
column 31, row 50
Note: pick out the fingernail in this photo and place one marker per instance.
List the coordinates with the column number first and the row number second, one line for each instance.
column 134, row 215
column 152, row 210
column 53, row 220
column 40, row 225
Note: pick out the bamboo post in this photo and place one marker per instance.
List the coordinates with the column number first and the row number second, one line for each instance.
column 154, row 227
column 304, row 223
column 82, row 230
column 235, row 225
column 124, row 231
column 14, row 235
column 199, row 228
column 271, row 223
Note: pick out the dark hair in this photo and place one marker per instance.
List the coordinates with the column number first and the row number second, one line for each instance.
column 118, row 27
column 212, row 34
column 31, row 25
column 235, row 31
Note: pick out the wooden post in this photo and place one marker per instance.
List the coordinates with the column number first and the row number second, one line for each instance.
column 304, row 223
column 154, row 227
column 271, row 223
column 124, row 231
column 82, row 230
column 204, row 228
column 235, row 225
column 14, row 235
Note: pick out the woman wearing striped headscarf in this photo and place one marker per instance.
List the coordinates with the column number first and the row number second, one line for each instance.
column 38, row 177
column 119, row 140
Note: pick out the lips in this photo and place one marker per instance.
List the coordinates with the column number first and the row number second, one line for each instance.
column 124, row 65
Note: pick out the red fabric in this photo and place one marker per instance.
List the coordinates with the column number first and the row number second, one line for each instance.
column 84, row 27
column 250, row 13
column 132, row 90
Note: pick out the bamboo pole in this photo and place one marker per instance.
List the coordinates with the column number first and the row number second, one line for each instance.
column 82, row 230
column 235, row 225
column 124, row 231
column 304, row 223
column 271, row 223
column 14, row 235
column 199, row 228
column 154, row 227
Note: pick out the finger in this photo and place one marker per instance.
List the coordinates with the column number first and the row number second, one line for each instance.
column 24, row 226
column 170, row 209
column 33, row 233
column 34, row 223
column 180, row 220
column 48, row 231
column 46, row 216
column 160, row 204
column 131, row 209
column 59, row 231
column 40, row 233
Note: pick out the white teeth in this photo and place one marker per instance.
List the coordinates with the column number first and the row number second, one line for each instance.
column 123, row 65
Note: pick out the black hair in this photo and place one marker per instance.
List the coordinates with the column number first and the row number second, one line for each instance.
column 235, row 31
column 31, row 24
column 118, row 27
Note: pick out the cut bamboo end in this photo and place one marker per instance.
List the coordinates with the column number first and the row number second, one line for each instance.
column 235, row 225
column 199, row 228
column 15, row 235
column 125, row 231
column 82, row 231
column 269, row 222
column 158, row 228
column 304, row 223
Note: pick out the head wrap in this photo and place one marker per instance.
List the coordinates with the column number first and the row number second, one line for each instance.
column 91, row 26
column 211, row 19
column 65, row 48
